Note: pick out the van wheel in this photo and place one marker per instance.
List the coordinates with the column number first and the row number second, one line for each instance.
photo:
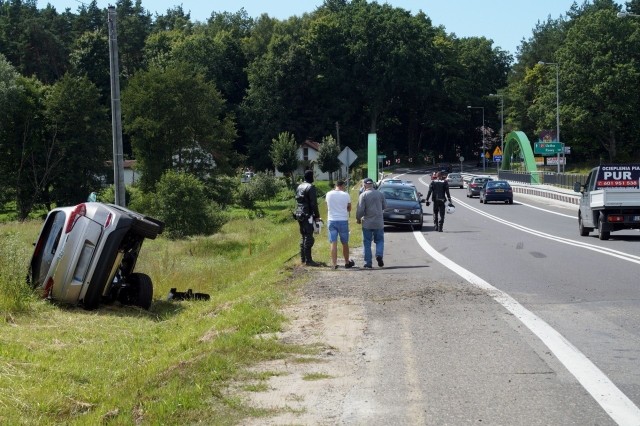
column 603, row 235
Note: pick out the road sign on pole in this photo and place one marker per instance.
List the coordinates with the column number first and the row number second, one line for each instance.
column 547, row 148
column 347, row 157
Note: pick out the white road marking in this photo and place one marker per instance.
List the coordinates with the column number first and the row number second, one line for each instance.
column 575, row 216
column 603, row 250
column 615, row 403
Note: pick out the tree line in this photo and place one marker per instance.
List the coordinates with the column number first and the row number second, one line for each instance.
column 205, row 98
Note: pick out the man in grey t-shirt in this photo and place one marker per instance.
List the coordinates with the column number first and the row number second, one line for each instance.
column 371, row 205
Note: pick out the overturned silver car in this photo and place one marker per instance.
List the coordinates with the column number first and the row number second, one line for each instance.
column 86, row 254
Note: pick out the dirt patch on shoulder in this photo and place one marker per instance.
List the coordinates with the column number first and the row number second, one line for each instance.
column 310, row 390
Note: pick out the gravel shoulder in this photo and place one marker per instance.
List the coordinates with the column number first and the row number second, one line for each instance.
column 328, row 315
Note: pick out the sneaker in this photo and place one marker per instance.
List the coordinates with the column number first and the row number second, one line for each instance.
column 368, row 266
column 335, row 266
column 380, row 262
column 311, row 263
column 350, row 264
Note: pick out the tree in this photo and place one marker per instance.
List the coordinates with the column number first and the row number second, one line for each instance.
column 598, row 83
column 328, row 156
column 10, row 92
column 178, row 121
column 284, row 154
column 23, row 154
column 181, row 203
column 78, row 130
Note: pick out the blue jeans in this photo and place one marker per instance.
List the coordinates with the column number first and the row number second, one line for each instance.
column 375, row 235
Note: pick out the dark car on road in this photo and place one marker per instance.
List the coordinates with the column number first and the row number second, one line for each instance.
column 475, row 185
column 404, row 205
column 496, row 190
column 86, row 255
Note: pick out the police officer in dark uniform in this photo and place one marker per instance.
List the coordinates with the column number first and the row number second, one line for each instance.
column 439, row 191
column 307, row 214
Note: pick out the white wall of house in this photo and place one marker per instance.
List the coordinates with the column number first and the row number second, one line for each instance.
column 308, row 154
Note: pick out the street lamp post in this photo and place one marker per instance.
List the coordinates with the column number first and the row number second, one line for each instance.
column 557, row 105
column 483, row 145
column 501, row 96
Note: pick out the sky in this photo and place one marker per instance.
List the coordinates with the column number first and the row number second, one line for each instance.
column 506, row 22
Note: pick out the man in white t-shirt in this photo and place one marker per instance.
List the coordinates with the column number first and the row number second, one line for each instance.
column 339, row 208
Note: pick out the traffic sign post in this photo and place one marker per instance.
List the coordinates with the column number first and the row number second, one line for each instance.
column 347, row 157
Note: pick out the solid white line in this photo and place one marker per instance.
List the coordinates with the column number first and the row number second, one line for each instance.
column 575, row 216
column 615, row 403
column 603, row 250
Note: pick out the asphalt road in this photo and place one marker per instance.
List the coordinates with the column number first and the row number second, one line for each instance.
column 567, row 353
column 508, row 317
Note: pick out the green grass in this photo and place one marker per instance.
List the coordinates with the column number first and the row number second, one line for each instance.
column 172, row 364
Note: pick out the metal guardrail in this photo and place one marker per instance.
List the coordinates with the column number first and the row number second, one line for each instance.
column 563, row 180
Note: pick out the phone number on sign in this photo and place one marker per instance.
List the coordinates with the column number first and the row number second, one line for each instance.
column 624, row 183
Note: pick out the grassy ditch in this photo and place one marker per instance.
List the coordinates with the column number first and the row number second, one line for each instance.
column 171, row 364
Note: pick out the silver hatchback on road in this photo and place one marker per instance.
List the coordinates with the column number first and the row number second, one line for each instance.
column 455, row 180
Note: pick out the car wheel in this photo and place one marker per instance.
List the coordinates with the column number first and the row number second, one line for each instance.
column 510, row 200
column 139, row 291
column 145, row 228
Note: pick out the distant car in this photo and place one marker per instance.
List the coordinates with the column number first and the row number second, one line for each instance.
column 246, row 177
column 475, row 185
column 390, row 180
column 434, row 175
column 86, row 254
column 455, row 180
column 496, row 190
column 404, row 205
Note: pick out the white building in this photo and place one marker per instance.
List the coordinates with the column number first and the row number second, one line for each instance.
column 308, row 154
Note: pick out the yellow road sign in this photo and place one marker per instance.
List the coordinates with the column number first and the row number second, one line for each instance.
column 497, row 151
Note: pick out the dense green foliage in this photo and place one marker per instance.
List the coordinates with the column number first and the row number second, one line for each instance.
column 180, row 202
column 210, row 97
column 284, row 154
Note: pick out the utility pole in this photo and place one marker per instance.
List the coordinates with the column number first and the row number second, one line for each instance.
column 116, row 119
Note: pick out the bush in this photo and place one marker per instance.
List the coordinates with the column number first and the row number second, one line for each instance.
column 220, row 189
column 262, row 187
column 181, row 202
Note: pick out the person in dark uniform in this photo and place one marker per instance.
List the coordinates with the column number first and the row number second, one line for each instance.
column 307, row 214
column 439, row 192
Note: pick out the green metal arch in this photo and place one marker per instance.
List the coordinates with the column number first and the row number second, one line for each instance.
column 518, row 138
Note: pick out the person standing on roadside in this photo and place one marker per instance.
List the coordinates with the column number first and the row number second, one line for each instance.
column 371, row 205
column 307, row 214
column 338, row 210
column 439, row 191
